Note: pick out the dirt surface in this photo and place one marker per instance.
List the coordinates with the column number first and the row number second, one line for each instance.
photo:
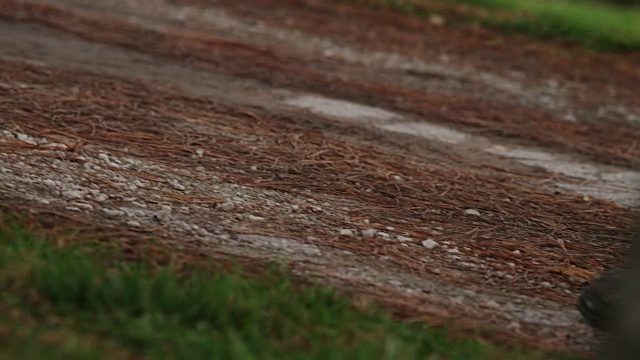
column 456, row 174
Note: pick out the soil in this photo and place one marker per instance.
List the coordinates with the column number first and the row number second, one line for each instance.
column 458, row 175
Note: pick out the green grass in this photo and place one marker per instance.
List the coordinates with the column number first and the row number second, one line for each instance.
column 86, row 302
column 596, row 25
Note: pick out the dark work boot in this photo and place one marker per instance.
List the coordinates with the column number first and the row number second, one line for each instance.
column 601, row 299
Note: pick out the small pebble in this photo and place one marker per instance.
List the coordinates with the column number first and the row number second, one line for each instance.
column 346, row 232
column 113, row 212
column 50, row 183
column 26, row 138
column 369, row 233
column 472, row 212
column 429, row 244
column 72, row 194
column 454, row 250
column 101, row 198
column 176, row 185
column 104, row 157
column 164, row 215
column 403, row 238
column 227, row 206
column 83, row 206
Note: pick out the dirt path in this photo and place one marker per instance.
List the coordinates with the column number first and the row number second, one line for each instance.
column 455, row 174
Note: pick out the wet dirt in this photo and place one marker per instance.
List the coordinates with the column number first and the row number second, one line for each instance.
column 456, row 174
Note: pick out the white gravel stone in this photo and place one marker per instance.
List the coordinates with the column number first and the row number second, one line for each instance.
column 346, row 232
column 254, row 218
column 403, row 238
column 101, row 197
column 133, row 223
column 429, row 244
column 164, row 215
column 227, row 206
column 200, row 153
column 26, row 138
column 122, row 185
column 113, row 212
column 453, row 250
column 139, row 204
column 104, row 157
column 73, row 194
column 57, row 146
column 83, row 206
column 50, row 183
column 176, row 185
column 472, row 212
column 383, row 235
column 134, row 212
column 368, row 233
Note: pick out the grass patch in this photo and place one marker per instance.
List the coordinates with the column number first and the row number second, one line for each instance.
column 596, row 25
column 84, row 301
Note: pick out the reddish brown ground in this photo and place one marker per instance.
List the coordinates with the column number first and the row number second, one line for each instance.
column 334, row 174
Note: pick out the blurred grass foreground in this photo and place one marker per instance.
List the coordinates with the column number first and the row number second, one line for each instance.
column 66, row 299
